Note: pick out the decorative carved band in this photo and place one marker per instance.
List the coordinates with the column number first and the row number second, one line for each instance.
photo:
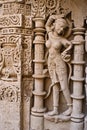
column 11, row 20
column 5, row 1
column 16, row 31
column 10, row 39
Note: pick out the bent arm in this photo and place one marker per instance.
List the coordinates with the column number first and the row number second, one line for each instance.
column 65, row 56
column 67, row 44
column 49, row 23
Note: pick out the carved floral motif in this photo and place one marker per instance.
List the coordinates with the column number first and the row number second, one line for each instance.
column 38, row 8
column 10, row 93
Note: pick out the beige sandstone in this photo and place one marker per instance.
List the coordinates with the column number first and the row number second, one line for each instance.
column 43, row 64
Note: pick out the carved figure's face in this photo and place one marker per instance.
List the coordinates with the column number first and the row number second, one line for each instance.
column 59, row 26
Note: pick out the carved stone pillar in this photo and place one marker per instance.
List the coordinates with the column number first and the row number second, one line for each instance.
column 77, row 116
column 86, row 80
column 38, row 108
column 15, row 64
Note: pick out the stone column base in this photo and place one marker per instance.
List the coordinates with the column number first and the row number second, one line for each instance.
column 85, row 123
column 37, row 123
column 77, row 126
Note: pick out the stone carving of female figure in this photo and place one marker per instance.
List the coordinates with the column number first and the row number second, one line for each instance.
column 57, row 66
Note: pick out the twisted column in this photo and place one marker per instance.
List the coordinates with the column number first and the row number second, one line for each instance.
column 38, row 108
column 77, row 116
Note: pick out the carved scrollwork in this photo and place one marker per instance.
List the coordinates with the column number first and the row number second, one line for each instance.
column 51, row 4
column 17, row 61
column 10, row 20
column 3, row 39
column 38, row 8
column 9, row 93
column 57, row 7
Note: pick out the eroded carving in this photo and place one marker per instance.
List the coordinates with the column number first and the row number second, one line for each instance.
column 9, row 92
column 10, row 57
column 28, row 87
column 20, row 8
column 27, row 56
column 58, row 58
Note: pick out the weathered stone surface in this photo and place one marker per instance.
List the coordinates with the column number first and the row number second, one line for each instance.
column 43, row 65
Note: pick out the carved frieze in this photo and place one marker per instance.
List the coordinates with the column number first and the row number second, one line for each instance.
column 16, row 8
column 11, row 20
column 5, row 1
column 16, row 31
column 10, row 39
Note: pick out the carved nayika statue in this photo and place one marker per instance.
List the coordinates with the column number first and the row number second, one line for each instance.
column 57, row 59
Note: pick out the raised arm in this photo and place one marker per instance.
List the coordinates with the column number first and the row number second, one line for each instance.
column 49, row 23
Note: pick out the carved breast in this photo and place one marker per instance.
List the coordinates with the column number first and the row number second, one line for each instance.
column 54, row 42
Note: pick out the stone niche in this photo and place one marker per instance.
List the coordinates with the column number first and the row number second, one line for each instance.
column 43, row 65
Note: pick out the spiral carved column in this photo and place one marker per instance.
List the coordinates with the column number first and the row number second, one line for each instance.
column 38, row 108
column 77, row 116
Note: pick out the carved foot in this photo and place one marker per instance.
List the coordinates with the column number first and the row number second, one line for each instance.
column 52, row 113
column 68, row 112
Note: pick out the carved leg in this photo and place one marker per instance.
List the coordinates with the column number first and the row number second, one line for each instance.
column 66, row 93
column 55, row 101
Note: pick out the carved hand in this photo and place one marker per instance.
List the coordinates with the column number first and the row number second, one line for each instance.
column 66, row 57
